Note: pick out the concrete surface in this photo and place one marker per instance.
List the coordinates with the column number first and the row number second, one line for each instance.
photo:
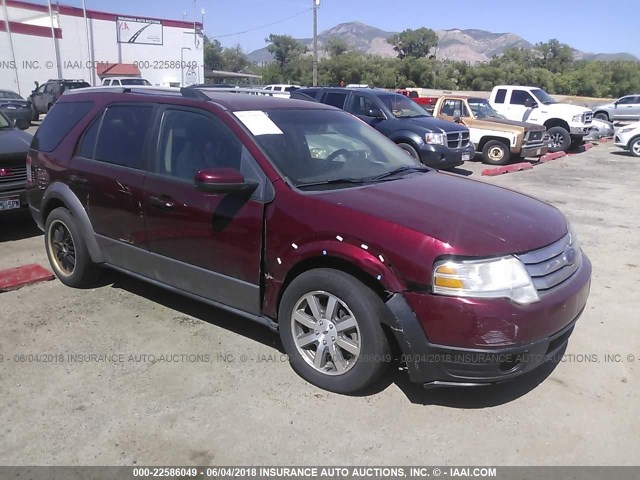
column 251, row 408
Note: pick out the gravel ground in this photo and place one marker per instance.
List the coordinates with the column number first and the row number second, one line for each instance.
column 245, row 405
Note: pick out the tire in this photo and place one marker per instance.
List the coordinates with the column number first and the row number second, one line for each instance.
column 634, row 147
column 49, row 107
column 67, row 250
column 559, row 139
column 496, row 152
column 602, row 116
column 410, row 150
column 35, row 116
column 361, row 347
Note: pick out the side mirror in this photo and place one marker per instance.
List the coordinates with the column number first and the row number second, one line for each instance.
column 223, row 180
column 375, row 112
column 457, row 119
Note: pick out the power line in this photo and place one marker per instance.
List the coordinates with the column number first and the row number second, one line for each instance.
column 264, row 26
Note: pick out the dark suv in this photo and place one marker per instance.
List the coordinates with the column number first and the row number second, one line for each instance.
column 303, row 218
column 45, row 95
column 436, row 143
column 14, row 145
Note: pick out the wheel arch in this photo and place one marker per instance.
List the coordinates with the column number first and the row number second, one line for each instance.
column 487, row 138
column 631, row 140
column 601, row 111
column 408, row 137
column 557, row 122
column 60, row 195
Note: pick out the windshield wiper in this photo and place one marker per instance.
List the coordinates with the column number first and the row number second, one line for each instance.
column 333, row 181
column 405, row 169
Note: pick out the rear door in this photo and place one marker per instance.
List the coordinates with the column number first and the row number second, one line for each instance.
column 107, row 173
column 38, row 100
column 205, row 244
column 628, row 108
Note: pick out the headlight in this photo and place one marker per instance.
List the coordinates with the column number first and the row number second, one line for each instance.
column 435, row 138
column 577, row 118
column 504, row 277
column 626, row 130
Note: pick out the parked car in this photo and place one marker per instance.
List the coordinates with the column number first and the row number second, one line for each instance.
column 286, row 89
column 495, row 137
column 15, row 108
column 600, row 129
column 45, row 95
column 14, row 145
column 427, row 102
column 303, row 218
column 125, row 81
column 628, row 138
column 625, row 108
column 566, row 124
column 434, row 142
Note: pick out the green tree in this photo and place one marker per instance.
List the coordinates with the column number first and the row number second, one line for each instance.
column 213, row 54
column 335, row 46
column 234, row 59
column 284, row 49
column 554, row 56
column 414, row 43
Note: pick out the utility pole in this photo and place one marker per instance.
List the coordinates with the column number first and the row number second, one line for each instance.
column 316, row 4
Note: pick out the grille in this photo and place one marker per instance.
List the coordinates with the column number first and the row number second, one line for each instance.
column 457, row 139
column 587, row 117
column 552, row 265
column 13, row 172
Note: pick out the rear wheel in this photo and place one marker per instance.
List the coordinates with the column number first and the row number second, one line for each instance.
column 634, row 147
column 496, row 152
column 410, row 150
column 67, row 250
column 35, row 116
column 330, row 326
column 559, row 139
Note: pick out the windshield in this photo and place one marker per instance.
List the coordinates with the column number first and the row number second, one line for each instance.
column 312, row 147
column 403, row 107
column 135, row 81
column 10, row 95
column 4, row 121
column 482, row 109
column 543, row 96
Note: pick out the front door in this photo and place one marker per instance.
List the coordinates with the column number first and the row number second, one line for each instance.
column 206, row 244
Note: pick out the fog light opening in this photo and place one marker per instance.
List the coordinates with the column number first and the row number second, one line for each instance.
column 511, row 364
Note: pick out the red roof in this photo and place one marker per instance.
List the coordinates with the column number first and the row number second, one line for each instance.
column 117, row 69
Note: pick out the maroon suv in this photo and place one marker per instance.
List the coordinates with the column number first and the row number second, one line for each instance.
column 301, row 217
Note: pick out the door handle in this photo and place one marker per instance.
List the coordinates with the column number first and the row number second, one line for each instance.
column 76, row 180
column 161, row 203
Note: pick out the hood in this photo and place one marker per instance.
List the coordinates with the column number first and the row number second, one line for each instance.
column 563, row 109
column 473, row 217
column 14, row 141
column 494, row 123
column 604, row 106
column 433, row 124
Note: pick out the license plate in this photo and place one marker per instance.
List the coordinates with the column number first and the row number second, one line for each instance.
column 10, row 204
column 538, row 151
column 11, row 107
column 466, row 157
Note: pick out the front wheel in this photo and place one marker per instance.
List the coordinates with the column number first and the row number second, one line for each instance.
column 559, row 139
column 602, row 116
column 67, row 250
column 496, row 152
column 410, row 150
column 35, row 116
column 634, row 147
column 330, row 326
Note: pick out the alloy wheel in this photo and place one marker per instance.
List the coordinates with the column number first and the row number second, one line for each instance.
column 326, row 333
column 62, row 248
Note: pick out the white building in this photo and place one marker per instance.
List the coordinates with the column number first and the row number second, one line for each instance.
column 38, row 44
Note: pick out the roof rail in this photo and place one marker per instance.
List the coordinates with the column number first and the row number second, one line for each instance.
column 142, row 90
column 187, row 92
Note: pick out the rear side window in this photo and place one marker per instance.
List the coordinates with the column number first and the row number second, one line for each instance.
column 501, row 95
column 122, row 134
column 87, row 146
column 335, row 99
column 58, row 122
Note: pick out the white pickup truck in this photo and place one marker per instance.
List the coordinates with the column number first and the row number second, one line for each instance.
column 566, row 124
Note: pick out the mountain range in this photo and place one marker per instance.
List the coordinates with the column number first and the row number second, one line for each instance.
column 469, row 45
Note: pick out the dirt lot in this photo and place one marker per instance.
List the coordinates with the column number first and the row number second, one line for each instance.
column 246, row 406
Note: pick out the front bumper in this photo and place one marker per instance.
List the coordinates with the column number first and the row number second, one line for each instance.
column 533, row 151
column 580, row 130
column 443, row 157
column 20, row 194
column 449, row 340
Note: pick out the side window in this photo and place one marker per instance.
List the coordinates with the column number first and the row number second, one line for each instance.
column 335, row 99
column 501, row 95
column 122, row 134
column 360, row 105
column 190, row 142
column 58, row 122
column 87, row 146
column 115, row 82
column 49, row 88
column 107, row 82
column 627, row 100
column 451, row 108
column 521, row 97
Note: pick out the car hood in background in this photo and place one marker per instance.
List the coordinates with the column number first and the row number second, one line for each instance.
column 14, row 141
column 432, row 124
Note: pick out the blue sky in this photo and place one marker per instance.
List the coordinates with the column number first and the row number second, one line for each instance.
column 590, row 25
